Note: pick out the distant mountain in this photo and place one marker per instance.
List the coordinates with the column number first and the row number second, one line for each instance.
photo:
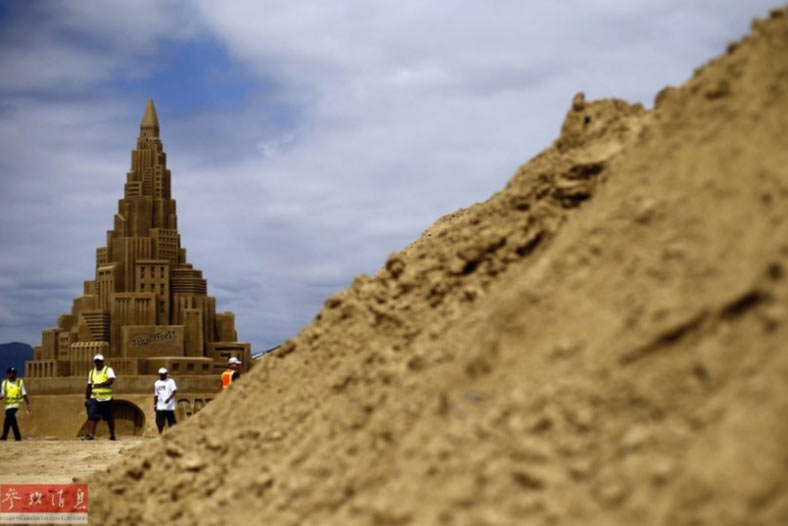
column 14, row 354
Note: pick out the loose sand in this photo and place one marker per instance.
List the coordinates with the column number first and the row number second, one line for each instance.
column 39, row 461
column 602, row 342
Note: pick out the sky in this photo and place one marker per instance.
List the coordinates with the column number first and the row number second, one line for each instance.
column 307, row 140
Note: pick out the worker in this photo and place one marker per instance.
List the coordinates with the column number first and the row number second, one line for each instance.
column 13, row 390
column 164, row 390
column 98, row 397
column 232, row 373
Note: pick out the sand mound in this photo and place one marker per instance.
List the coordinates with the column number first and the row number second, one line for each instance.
column 601, row 342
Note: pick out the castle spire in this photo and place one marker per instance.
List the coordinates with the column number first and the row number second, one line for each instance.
column 150, row 121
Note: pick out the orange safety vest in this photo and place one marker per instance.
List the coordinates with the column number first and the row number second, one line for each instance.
column 227, row 378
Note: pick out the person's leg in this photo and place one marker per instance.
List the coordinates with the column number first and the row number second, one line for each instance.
column 91, row 427
column 93, row 418
column 6, row 425
column 159, row 420
column 15, row 424
column 109, row 418
column 170, row 418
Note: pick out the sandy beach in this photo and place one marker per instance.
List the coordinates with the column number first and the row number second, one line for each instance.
column 46, row 461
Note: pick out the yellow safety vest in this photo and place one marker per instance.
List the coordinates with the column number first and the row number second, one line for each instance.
column 13, row 393
column 99, row 377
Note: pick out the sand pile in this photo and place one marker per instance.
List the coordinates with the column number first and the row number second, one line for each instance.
column 601, row 342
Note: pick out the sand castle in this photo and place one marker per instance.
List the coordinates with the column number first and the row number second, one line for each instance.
column 146, row 308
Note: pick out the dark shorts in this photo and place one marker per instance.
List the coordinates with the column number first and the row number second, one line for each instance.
column 165, row 416
column 99, row 410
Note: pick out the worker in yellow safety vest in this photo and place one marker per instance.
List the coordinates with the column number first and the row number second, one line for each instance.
column 13, row 390
column 232, row 372
column 98, row 397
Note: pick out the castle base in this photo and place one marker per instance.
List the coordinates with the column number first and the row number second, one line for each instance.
column 59, row 405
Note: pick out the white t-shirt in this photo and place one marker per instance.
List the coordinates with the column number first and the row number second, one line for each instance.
column 163, row 389
column 2, row 386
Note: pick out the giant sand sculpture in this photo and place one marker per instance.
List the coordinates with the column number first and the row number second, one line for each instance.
column 146, row 308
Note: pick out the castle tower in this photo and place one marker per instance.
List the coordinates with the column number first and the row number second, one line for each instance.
column 147, row 306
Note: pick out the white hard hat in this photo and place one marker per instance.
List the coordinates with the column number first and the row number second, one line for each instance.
column 98, row 357
column 162, row 370
column 234, row 360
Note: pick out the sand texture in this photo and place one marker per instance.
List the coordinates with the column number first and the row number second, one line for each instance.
column 604, row 341
column 41, row 461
